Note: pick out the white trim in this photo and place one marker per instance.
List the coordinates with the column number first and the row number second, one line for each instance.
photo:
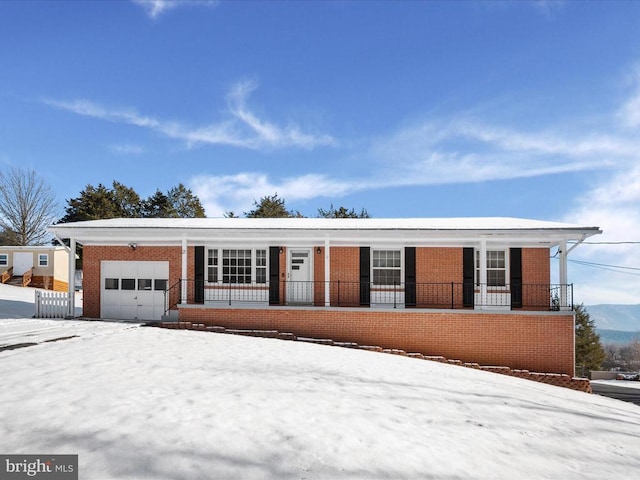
column 46, row 263
column 254, row 264
column 72, row 277
column 185, row 269
column 327, row 273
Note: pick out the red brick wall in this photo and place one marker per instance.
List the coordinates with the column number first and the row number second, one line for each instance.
column 345, row 268
column 438, row 267
column 536, row 342
column 93, row 255
column 536, row 276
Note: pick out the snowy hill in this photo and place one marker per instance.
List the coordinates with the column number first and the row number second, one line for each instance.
column 615, row 317
column 145, row 403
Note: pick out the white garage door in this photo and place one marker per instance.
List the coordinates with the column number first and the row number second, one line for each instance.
column 133, row 290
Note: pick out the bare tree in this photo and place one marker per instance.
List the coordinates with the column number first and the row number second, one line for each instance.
column 27, row 207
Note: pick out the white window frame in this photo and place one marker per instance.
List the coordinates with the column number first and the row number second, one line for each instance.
column 215, row 270
column 476, row 269
column 4, row 259
column 399, row 268
column 46, row 259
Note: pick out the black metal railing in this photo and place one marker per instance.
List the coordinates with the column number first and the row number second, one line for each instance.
column 449, row 295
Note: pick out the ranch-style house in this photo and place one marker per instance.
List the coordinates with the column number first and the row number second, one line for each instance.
column 474, row 289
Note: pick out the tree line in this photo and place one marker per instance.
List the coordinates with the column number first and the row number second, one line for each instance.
column 120, row 201
column 28, row 205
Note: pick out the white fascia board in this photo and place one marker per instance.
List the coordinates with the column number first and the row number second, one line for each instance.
column 163, row 233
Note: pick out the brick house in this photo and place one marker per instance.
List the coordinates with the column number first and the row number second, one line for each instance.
column 474, row 289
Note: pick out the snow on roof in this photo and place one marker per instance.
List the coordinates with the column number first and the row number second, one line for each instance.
column 464, row 223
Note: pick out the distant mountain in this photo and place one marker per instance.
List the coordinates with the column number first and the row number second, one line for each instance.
column 615, row 317
column 617, row 336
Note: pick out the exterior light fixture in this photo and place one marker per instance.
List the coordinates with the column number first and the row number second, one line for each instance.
column 133, row 246
column 318, row 250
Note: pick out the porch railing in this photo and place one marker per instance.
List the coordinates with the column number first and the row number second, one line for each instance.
column 449, row 295
column 27, row 277
column 6, row 275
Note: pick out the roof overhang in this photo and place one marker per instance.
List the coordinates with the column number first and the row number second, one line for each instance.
column 302, row 231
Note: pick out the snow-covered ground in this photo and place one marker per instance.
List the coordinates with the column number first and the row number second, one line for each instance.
column 147, row 403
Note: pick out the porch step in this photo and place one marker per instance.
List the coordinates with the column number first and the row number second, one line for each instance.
column 15, row 281
column 172, row 316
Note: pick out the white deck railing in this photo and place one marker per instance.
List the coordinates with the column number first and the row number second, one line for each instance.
column 51, row 304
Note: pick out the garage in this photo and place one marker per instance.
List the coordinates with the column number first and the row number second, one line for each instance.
column 133, row 290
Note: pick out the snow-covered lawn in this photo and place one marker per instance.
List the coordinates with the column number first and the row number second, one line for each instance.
column 147, row 403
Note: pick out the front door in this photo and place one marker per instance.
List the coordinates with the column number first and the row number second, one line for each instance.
column 300, row 286
column 22, row 263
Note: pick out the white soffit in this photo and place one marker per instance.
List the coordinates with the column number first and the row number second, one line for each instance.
column 165, row 230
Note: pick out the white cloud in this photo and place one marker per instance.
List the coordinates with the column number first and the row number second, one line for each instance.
column 242, row 128
column 155, row 8
column 126, row 149
column 614, row 206
column 236, row 193
column 463, row 151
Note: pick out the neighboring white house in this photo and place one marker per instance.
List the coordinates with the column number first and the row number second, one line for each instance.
column 36, row 266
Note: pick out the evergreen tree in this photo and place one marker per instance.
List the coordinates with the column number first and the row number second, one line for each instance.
column 8, row 237
column 94, row 203
column 185, row 204
column 271, row 207
column 589, row 351
column 342, row 212
column 158, row 205
column 127, row 202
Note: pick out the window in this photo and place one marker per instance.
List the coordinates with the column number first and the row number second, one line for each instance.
column 212, row 266
column 261, row 266
column 144, row 284
column 128, row 284
column 160, row 285
column 236, row 266
column 43, row 260
column 386, row 267
column 111, row 283
column 4, row 260
column 496, row 268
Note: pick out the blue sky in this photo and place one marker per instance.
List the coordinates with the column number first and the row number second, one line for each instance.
column 407, row 109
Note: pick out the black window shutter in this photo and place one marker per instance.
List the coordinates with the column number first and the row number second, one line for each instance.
column 199, row 275
column 365, row 276
column 468, row 272
column 515, row 276
column 410, row 276
column 274, row 275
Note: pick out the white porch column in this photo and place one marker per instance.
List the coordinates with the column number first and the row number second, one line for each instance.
column 185, row 273
column 327, row 273
column 483, row 274
column 562, row 249
column 72, row 278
